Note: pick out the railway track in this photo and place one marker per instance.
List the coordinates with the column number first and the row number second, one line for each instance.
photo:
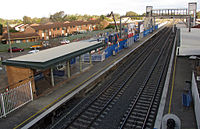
column 92, row 113
column 143, row 108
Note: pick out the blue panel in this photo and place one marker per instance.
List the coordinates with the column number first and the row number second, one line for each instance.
column 59, row 72
column 38, row 76
column 73, row 61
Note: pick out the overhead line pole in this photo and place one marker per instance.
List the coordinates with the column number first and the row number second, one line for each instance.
column 9, row 40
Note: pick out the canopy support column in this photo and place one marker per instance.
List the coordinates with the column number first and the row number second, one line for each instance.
column 52, row 78
column 90, row 58
column 68, row 69
column 80, row 63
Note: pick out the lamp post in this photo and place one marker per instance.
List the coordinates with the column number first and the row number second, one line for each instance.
column 9, row 40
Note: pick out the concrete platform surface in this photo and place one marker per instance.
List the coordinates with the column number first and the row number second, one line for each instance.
column 183, row 72
column 36, row 107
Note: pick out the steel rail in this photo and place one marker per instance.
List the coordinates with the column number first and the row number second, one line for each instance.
column 157, row 87
column 145, row 83
column 120, row 86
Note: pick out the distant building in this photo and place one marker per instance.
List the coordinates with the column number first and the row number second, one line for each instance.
column 57, row 29
column 35, row 32
column 20, row 27
column 20, row 37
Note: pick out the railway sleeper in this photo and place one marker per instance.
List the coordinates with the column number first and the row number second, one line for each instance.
column 144, row 101
column 99, row 104
column 145, row 98
column 93, row 110
column 140, row 111
column 142, row 107
column 141, row 104
column 139, row 114
column 96, row 107
column 134, row 118
column 149, row 90
column 90, row 114
column 87, row 117
column 79, row 125
column 129, row 125
column 147, row 94
column 138, row 123
column 83, row 121
column 149, row 124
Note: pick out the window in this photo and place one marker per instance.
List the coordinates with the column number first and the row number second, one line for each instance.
column 18, row 41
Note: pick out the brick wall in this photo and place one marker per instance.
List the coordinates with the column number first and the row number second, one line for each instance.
column 18, row 76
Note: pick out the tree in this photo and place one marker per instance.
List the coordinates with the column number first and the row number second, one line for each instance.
column 102, row 17
column 110, row 27
column 71, row 18
column 131, row 13
column 58, row 16
column 44, row 20
column 27, row 20
column 36, row 20
column 198, row 15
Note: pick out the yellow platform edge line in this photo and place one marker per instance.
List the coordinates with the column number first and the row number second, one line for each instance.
column 172, row 89
column 47, row 106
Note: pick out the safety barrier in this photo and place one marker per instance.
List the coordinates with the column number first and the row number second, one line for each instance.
column 146, row 32
column 94, row 57
column 136, row 37
column 156, row 27
column 115, row 48
column 15, row 98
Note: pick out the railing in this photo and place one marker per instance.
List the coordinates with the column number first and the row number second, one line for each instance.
column 15, row 98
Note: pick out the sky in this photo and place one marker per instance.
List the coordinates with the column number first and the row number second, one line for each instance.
column 16, row 9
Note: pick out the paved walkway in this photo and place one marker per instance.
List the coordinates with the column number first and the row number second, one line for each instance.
column 183, row 72
column 36, row 107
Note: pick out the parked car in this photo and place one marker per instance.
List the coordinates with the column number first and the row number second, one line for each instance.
column 33, row 51
column 65, row 42
column 16, row 49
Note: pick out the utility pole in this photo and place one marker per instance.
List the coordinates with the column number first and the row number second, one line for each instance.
column 9, row 40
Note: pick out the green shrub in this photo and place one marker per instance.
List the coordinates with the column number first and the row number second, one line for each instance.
column 5, row 47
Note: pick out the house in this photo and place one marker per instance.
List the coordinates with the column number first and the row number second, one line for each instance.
column 57, row 29
column 34, row 32
column 20, row 37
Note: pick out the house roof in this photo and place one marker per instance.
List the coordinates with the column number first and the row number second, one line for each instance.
column 53, row 56
column 63, row 24
column 19, row 35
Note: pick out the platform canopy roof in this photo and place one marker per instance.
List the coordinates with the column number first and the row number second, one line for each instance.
column 189, row 42
column 53, row 56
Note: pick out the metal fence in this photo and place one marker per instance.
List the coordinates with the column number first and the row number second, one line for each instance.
column 15, row 98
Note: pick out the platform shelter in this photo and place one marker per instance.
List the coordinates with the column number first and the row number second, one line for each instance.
column 32, row 67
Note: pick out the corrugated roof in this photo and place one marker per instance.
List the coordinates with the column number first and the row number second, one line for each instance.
column 50, row 57
column 55, row 52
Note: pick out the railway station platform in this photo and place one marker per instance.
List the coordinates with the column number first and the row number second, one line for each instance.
column 65, row 90
column 177, row 93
